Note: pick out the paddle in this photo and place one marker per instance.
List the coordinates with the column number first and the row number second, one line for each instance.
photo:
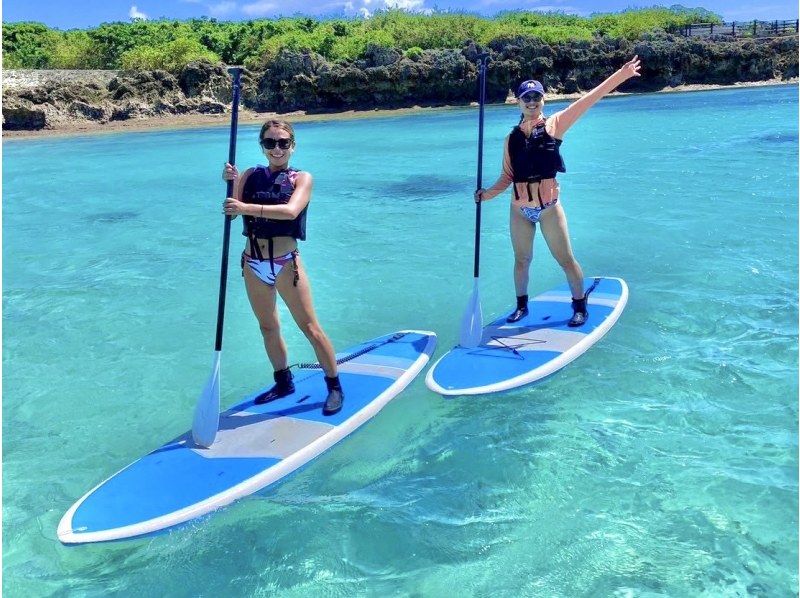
column 472, row 320
column 206, row 413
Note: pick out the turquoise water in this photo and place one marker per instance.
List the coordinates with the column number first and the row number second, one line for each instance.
column 662, row 462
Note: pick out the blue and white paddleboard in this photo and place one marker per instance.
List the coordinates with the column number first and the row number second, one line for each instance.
column 256, row 446
column 511, row 355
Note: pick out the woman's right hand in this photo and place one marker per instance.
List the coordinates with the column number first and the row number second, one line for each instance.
column 631, row 68
column 479, row 195
column 229, row 173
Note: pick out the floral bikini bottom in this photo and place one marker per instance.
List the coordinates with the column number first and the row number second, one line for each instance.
column 533, row 214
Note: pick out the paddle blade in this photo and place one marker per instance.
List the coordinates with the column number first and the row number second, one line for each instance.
column 472, row 320
column 206, row 413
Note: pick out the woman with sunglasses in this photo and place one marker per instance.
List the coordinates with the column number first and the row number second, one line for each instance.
column 531, row 161
column 273, row 201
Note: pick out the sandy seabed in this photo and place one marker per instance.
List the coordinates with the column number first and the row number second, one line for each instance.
column 188, row 121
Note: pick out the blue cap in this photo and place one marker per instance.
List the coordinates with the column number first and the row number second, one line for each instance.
column 529, row 86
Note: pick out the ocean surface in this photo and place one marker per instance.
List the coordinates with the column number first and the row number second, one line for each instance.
column 663, row 462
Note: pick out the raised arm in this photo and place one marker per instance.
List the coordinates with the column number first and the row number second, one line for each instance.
column 567, row 117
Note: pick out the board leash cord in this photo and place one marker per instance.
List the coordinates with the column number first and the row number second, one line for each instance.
column 501, row 345
column 317, row 366
column 513, row 348
column 591, row 288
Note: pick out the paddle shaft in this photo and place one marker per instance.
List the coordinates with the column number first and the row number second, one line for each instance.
column 482, row 60
column 226, row 235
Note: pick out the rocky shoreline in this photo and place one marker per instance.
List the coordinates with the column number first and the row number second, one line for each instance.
column 303, row 86
column 74, row 127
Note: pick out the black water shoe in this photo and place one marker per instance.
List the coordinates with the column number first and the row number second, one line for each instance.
column 579, row 315
column 335, row 399
column 283, row 387
column 521, row 311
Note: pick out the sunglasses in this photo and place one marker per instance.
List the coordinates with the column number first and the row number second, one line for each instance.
column 534, row 96
column 269, row 143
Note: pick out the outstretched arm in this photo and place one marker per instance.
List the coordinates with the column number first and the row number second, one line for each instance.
column 567, row 117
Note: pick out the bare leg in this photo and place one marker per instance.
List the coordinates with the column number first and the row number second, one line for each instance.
column 298, row 300
column 522, row 233
column 262, row 300
column 554, row 229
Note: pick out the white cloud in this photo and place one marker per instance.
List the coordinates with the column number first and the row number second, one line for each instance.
column 365, row 8
column 221, row 9
column 135, row 13
column 259, row 9
column 411, row 5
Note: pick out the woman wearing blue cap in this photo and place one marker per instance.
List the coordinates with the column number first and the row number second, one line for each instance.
column 531, row 160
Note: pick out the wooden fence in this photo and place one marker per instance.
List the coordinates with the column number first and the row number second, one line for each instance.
column 741, row 28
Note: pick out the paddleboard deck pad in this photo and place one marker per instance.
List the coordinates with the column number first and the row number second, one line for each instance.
column 256, row 446
column 541, row 343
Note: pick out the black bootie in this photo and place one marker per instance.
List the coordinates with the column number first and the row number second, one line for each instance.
column 521, row 311
column 283, row 387
column 579, row 315
column 335, row 400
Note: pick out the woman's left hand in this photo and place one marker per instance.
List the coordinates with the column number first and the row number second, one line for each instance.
column 233, row 207
column 631, row 68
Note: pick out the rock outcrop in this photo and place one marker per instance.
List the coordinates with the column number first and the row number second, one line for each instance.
column 388, row 78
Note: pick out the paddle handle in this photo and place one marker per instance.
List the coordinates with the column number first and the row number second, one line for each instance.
column 236, row 73
column 483, row 59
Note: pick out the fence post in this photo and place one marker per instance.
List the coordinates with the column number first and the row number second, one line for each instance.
column 797, row 26
column 733, row 29
column 712, row 29
column 754, row 27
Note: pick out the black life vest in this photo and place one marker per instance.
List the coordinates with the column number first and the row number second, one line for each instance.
column 270, row 189
column 536, row 157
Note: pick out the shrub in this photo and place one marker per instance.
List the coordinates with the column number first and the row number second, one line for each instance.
column 413, row 53
column 25, row 45
column 142, row 58
column 73, row 50
column 352, row 47
column 171, row 57
column 552, row 34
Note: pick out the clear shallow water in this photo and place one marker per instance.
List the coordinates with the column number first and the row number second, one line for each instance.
column 663, row 462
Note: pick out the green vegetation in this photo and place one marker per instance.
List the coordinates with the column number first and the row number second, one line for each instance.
column 170, row 45
column 172, row 56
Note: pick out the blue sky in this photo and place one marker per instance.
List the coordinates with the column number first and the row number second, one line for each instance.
column 88, row 13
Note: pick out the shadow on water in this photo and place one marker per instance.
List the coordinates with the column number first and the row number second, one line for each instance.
column 782, row 137
column 420, row 187
column 112, row 217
